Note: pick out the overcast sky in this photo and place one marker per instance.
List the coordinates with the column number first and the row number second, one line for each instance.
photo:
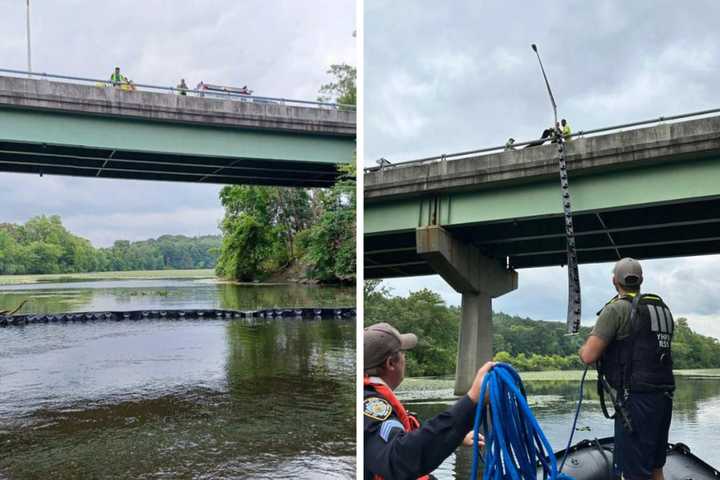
column 441, row 80
column 277, row 48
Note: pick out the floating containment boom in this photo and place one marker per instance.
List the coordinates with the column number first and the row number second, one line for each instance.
column 195, row 314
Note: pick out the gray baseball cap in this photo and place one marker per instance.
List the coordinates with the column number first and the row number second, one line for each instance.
column 628, row 272
column 382, row 339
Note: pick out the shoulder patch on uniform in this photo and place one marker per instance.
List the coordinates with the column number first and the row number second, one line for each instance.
column 377, row 408
column 388, row 426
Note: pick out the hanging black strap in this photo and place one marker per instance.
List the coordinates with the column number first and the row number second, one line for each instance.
column 601, row 394
column 618, row 403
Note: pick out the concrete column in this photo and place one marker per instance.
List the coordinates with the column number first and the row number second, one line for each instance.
column 479, row 279
column 475, row 343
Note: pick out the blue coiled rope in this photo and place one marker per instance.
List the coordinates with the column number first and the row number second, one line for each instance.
column 514, row 441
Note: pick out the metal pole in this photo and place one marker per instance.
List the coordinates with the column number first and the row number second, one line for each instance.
column 547, row 84
column 29, row 55
column 574, row 306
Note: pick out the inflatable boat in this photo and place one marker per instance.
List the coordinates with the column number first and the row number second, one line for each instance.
column 593, row 460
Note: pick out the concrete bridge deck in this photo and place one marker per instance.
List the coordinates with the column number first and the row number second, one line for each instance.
column 49, row 127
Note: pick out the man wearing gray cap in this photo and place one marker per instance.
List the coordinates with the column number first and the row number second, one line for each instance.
column 631, row 345
column 396, row 445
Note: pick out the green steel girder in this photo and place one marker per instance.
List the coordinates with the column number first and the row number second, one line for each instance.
column 35, row 141
column 662, row 183
column 662, row 210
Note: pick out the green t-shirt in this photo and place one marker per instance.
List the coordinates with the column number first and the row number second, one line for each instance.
column 613, row 323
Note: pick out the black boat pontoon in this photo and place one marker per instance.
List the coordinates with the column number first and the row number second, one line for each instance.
column 593, row 460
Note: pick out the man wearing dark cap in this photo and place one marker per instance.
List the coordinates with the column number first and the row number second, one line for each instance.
column 631, row 343
column 396, row 445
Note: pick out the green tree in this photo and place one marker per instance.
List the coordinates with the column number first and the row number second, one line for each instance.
column 247, row 232
column 330, row 245
column 342, row 89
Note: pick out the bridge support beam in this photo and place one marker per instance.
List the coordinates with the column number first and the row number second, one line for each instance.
column 479, row 279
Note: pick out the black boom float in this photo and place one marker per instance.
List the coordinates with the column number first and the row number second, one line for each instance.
column 196, row 314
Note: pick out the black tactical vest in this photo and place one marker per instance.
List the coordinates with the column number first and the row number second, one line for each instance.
column 642, row 362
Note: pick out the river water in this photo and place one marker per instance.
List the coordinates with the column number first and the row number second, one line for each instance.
column 177, row 399
column 696, row 415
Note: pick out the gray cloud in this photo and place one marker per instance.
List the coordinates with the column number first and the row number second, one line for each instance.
column 441, row 80
column 281, row 48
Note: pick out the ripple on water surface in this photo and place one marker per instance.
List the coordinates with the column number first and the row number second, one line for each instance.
column 159, row 399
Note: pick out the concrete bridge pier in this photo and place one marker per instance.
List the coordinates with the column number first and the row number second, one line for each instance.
column 479, row 279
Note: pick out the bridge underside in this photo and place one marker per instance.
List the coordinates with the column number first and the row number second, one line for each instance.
column 661, row 210
column 82, row 161
column 61, row 143
column 643, row 232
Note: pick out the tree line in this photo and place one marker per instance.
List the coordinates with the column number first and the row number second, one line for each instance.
column 44, row 245
column 526, row 344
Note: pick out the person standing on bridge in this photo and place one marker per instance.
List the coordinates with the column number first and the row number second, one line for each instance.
column 182, row 87
column 631, row 343
column 565, row 129
column 396, row 444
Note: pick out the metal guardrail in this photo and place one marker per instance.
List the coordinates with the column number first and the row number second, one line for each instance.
column 580, row 133
column 195, row 92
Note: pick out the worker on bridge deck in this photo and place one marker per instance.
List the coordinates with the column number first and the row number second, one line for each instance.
column 120, row 81
column 117, row 78
column 182, row 87
column 397, row 446
column 631, row 343
column 565, row 129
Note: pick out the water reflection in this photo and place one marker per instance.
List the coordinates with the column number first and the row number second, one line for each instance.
column 179, row 399
column 696, row 415
column 141, row 294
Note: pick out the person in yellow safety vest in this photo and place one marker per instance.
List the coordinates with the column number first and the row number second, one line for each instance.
column 117, row 78
column 566, row 131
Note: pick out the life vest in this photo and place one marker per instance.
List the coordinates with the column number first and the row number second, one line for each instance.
column 408, row 421
column 642, row 362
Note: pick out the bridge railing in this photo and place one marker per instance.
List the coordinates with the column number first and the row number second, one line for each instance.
column 188, row 91
column 580, row 133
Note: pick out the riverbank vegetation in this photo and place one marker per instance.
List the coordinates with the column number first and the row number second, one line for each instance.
column 44, row 246
column 529, row 345
column 273, row 230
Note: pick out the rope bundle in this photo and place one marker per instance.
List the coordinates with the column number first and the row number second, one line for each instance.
column 514, row 441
